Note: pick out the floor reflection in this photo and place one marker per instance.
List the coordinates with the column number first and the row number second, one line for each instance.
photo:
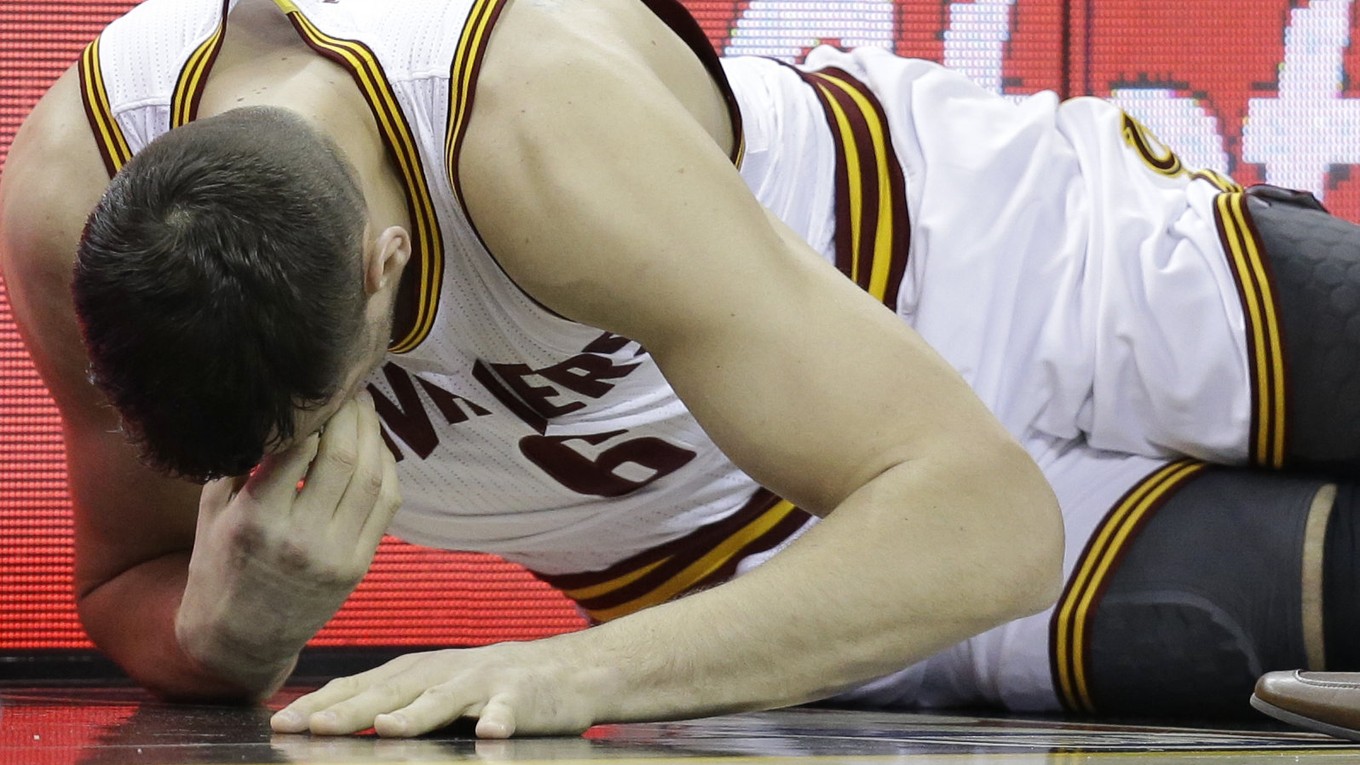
column 120, row 726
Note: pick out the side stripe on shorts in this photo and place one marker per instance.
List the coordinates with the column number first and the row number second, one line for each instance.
column 873, row 231
column 113, row 145
column 415, row 313
column 1069, row 629
column 705, row 557
column 1261, row 311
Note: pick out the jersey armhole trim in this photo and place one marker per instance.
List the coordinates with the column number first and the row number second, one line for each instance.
column 113, row 145
column 467, row 63
column 417, row 304
column 189, row 87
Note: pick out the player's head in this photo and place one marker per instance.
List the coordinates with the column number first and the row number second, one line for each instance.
column 221, row 287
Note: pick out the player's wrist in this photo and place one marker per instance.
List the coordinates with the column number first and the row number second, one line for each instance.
column 256, row 660
column 623, row 674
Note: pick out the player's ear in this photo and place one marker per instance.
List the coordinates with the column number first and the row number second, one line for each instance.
column 385, row 258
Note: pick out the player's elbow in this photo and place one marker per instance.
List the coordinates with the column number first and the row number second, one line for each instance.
column 145, row 648
column 1024, row 539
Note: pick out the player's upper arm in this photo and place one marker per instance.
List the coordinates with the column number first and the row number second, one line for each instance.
column 606, row 200
column 53, row 176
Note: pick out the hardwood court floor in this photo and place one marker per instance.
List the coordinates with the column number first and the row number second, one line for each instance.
column 118, row 726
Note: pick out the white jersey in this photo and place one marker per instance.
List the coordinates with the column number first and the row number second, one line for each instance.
column 1040, row 233
column 1028, row 243
column 519, row 433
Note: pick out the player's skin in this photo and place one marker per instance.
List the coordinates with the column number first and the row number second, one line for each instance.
column 596, row 168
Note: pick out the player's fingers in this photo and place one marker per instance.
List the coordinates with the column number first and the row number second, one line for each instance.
column 274, row 482
column 438, row 706
column 364, row 710
column 337, row 457
column 293, row 717
column 364, row 494
column 388, row 502
column 497, row 719
column 300, row 715
column 216, row 494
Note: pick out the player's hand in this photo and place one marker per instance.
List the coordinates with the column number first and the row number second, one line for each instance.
column 511, row 689
column 272, row 562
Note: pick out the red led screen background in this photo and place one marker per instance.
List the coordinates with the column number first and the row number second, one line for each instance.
column 1266, row 90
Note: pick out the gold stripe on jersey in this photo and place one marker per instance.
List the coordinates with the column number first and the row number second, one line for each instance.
column 705, row 557
column 1071, row 621
column 1162, row 160
column 1265, row 346
column 467, row 62
column 113, row 145
column 1219, row 180
column 189, row 88
column 428, row 258
column 873, row 232
column 603, row 589
column 1155, row 154
column 696, row 573
column 681, row 21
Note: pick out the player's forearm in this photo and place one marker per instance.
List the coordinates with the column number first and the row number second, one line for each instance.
column 922, row 557
column 132, row 618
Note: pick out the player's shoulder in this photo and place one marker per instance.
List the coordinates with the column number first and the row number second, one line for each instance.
column 53, row 176
column 551, row 55
column 573, row 43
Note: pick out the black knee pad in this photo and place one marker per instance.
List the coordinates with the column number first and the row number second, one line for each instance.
column 1206, row 597
column 1314, row 258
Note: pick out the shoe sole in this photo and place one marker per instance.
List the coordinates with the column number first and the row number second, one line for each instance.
column 1293, row 718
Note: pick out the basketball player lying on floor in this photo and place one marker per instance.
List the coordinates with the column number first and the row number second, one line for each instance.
column 579, row 288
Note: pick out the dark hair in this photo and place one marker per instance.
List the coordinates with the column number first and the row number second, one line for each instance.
column 219, row 287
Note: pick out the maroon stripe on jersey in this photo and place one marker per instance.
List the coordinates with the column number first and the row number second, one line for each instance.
column 113, row 146
column 845, row 224
column 1265, row 344
column 682, row 23
column 466, row 66
column 873, row 229
column 1074, row 613
column 705, row 557
column 759, row 502
column 677, row 563
column 419, row 290
column 771, row 539
column 188, row 93
column 679, row 553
